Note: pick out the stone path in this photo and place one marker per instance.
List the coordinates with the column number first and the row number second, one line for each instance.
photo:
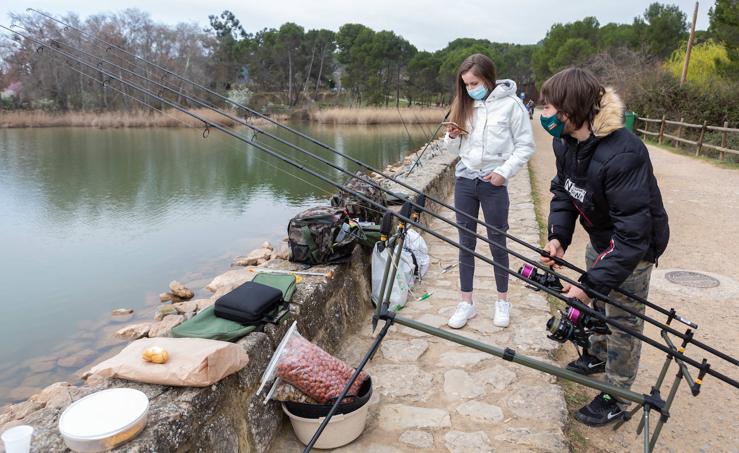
column 434, row 395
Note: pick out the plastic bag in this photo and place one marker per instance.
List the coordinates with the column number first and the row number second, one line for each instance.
column 287, row 392
column 415, row 244
column 314, row 371
column 404, row 278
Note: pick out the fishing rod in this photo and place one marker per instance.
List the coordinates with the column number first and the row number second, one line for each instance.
column 671, row 313
column 369, row 181
column 704, row 367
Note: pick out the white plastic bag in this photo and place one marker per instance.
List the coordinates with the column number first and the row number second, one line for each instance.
column 415, row 244
column 403, row 278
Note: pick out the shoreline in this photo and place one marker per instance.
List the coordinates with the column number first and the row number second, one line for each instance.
column 25, row 119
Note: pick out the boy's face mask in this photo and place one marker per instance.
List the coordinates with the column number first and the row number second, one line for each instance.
column 553, row 125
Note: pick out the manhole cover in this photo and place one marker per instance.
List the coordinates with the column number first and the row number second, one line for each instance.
column 692, row 279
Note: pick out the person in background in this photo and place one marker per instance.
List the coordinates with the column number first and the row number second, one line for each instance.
column 604, row 178
column 490, row 132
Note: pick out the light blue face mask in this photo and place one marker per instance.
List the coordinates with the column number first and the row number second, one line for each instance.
column 478, row 93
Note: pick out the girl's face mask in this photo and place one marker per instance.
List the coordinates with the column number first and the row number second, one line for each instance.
column 478, row 93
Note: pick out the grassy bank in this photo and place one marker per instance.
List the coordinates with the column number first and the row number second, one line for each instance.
column 379, row 115
column 169, row 118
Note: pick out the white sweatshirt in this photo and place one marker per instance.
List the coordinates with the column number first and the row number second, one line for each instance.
column 500, row 138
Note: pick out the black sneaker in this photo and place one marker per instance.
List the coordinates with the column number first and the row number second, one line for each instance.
column 601, row 411
column 587, row 364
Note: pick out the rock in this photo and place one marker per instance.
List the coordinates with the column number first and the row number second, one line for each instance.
column 543, row 402
column 418, row 439
column 134, row 331
column 76, row 360
column 204, row 303
column 122, row 311
column 230, row 280
column 21, row 393
column 498, row 376
column 458, row 442
column 459, row 384
column 538, row 441
column 165, row 310
column 165, row 297
column 267, row 245
column 402, row 381
column 163, row 327
column 254, row 257
column 404, row 351
column 179, row 290
column 454, row 359
column 395, row 417
column 481, row 412
column 283, row 253
column 42, row 364
column 186, row 307
column 55, row 395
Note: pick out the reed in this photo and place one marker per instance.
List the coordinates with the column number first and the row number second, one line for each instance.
column 378, row 115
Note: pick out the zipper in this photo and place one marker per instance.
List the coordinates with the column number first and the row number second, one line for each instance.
column 582, row 214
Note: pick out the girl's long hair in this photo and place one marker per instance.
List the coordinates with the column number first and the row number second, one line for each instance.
column 482, row 67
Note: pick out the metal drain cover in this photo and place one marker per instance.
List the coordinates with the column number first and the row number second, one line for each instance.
column 692, row 279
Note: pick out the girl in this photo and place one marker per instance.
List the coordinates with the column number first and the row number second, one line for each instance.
column 491, row 132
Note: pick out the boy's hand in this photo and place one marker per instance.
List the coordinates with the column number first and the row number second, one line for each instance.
column 554, row 248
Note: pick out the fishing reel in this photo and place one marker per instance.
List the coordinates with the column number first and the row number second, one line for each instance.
column 575, row 326
column 546, row 279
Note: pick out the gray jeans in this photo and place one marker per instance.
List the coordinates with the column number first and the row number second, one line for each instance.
column 469, row 195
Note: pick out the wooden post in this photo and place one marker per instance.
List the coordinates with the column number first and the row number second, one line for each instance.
column 724, row 140
column 661, row 130
column 690, row 46
column 679, row 132
column 700, row 140
column 646, row 129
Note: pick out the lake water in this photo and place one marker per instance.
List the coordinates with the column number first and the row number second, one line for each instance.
column 93, row 220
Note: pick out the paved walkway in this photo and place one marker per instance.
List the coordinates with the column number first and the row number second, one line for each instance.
column 434, row 395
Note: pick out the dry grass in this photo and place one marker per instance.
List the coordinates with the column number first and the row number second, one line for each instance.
column 378, row 115
column 170, row 118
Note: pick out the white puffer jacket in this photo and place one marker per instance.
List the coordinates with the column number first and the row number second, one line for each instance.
column 500, row 137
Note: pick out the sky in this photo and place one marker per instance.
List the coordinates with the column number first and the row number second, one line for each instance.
column 429, row 25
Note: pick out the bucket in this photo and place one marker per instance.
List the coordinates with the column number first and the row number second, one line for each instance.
column 343, row 428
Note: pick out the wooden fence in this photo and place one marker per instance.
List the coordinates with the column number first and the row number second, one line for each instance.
column 677, row 139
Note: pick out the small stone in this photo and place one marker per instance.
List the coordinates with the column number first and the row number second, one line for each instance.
column 165, row 310
column 165, row 297
column 122, row 311
column 204, row 303
column 404, row 351
column 418, row 439
column 458, row 442
column 229, row 280
column 134, row 331
column 254, row 257
column 267, row 245
column 283, row 253
column 55, row 395
column 186, row 307
column 164, row 327
column 481, row 412
column 179, row 290
column 395, row 417
column 459, row 384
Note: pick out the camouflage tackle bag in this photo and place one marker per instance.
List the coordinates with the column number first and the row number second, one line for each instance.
column 320, row 235
column 357, row 207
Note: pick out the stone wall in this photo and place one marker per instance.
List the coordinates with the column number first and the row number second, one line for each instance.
column 228, row 416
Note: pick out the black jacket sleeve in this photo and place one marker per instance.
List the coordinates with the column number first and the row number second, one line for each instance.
column 562, row 213
column 627, row 190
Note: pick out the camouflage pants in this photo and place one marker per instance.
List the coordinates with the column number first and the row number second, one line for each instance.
column 620, row 350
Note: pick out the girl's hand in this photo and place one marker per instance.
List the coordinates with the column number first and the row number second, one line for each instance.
column 494, row 179
column 453, row 131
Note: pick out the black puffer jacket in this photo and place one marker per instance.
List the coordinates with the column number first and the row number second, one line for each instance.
column 609, row 183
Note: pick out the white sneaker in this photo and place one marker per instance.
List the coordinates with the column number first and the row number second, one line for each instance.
column 465, row 311
column 502, row 313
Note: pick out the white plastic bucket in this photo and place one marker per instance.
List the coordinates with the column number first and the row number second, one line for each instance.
column 341, row 430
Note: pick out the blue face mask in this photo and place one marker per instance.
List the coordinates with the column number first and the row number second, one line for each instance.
column 478, row 93
column 553, row 125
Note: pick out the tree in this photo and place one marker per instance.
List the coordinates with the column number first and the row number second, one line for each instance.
column 553, row 54
column 661, row 29
column 705, row 58
column 724, row 27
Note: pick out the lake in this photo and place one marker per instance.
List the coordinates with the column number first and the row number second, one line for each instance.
column 92, row 220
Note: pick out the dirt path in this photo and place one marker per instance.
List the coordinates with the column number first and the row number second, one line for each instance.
column 702, row 201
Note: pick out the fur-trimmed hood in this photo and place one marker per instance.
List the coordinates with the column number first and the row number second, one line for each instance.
column 611, row 114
